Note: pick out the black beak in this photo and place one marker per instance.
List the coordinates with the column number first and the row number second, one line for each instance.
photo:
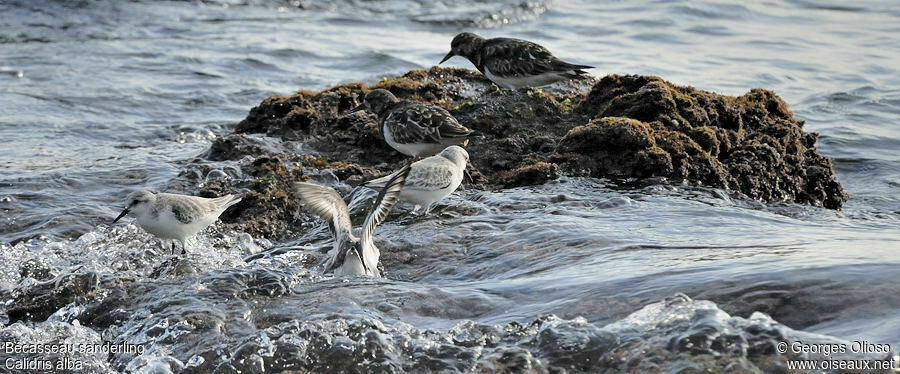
column 466, row 172
column 447, row 57
column 124, row 212
column 358, row 108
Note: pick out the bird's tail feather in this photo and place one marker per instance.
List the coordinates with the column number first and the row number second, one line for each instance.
column 226, row 201
column 576, row 74
column 577, row 67
column 378, row 182
column 577, row 71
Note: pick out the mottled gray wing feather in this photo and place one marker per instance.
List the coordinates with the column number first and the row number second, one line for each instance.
column 188, row 209
column 327, row 204
column 518, row 58
column 385, row 201
column 430, row 177
column 412, row 122
column 185, row 211
column 425, row 175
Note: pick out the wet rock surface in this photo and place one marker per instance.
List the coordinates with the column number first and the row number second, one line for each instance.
column 40, row 300
column 620, row 127
column 280, row 319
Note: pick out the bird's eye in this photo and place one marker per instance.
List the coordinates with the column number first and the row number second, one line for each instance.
column 135, row 202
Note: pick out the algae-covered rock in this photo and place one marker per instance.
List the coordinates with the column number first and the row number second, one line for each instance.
column 40, row 300
column 537, row 173
column 613, row 146
column 616, row 127
column 751, row 143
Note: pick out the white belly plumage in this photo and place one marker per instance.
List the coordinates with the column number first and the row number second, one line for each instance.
column 167, row 226
column 424, row 197
column 353, row 265
column 539, row 80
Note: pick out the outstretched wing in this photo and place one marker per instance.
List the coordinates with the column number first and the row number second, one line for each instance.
column 386, row 200
column 327, row 204
column 413, row 122
column 519, row 58
column 336, row 259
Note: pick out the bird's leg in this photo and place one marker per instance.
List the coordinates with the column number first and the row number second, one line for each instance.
column 468, row 175
column 173, row 247
column 183, row 248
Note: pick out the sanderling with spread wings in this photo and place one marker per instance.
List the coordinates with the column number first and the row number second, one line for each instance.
column 175, row 217
column 513, row 63
column 411, row 127
column 431, row 179
column 354, row 253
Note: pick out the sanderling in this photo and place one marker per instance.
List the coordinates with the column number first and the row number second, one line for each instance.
column 176, row 217
column 513, row 63
column 431, row 179
column 354, row 253
column 413, row 128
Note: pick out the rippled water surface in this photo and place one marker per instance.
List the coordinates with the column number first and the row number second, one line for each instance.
column 100, row 97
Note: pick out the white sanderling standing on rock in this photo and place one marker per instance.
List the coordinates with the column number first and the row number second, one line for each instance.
column 175, row 217
column 354, row 253
column 431, row 179
column 513, row 63
column 413, row 128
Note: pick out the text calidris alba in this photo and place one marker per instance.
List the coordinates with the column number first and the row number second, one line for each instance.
column 413, row 128
column 513, row 63
column 175, row 217
column 354, row 253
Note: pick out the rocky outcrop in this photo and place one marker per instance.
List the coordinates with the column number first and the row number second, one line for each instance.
column 617, row 127
column 751, row 143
